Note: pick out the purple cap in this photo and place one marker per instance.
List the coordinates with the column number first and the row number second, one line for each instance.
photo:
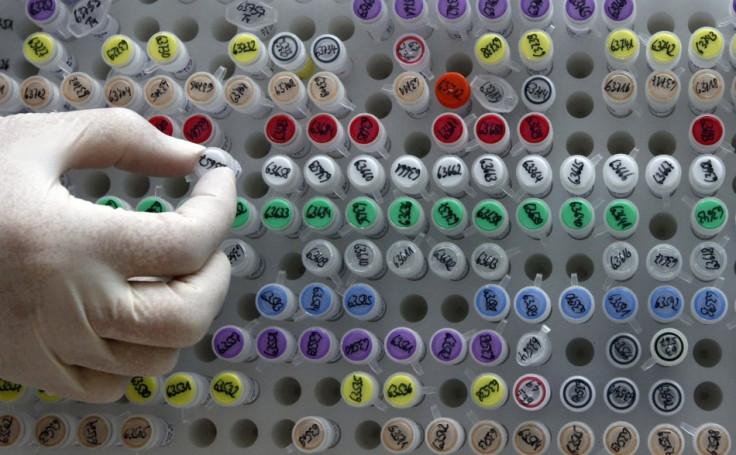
column 271, row 343
column 357, row 345
column 367, row 10
column 580, row 10
column 409, row 9
column 401, row 344
column 486, row 346
column 228, row 342
column 618, row 10
column 492, row 9
column 447, row 345
column 41, row 11
column 534, row 9
column 315, row 343
column 452, row 9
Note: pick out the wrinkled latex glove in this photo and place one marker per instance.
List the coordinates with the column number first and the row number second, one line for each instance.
column 71, row 322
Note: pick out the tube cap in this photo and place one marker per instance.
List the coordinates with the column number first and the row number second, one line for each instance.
column 492, row 303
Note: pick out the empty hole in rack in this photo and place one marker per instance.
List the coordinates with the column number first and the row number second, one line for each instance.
column 176, row 187
column 459, row 63
column 281, row 433
column 303, row 27
column 145, row 28
column 244, row 433
column 580, row 143
column 417, row 144
column 378, row 104
column 453, row 393
column 253, row 185
column 327, row 391
column 202, row 432
column 708, row 396
column 186, row 28
column 342, row 27
column 287, row 391
column 537, row 263
column 247, row 309
column 660, row 22
column 580, row 264
column 662, row 143
column 379, row 66
column 579, row 65
column 663, row 226
column 733, row 141
column 257, row 146
column 707, row 353
column 579, row 352
column 700, row 19
column 368, row 435
column 291, row 263
column 23, row 69
column 455, row 308
column 224, row 61
column 100, row 69
column 413, row 308
column 24, row 28
column 148, row 2
column 733, row 184
column 222, row 30
column 203, row 349
column 620, row 142
column 579, row 105
column 96, row 184
column 136, row 185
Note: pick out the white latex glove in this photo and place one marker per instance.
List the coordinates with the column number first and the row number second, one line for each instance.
column 70, row 321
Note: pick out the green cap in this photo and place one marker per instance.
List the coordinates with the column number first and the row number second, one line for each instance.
column 362, row 212
column 153, row 204
column 621, row 215
column 448, row 213
column 110, row 201
column 277, row 214
column 576, row 213
column 319, row 213
column 489, row 215
column 242, row 213
column 405, row 212
column 710, row 213
column 533, row 214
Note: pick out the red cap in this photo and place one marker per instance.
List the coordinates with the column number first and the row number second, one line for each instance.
column 534, row 127
column 707, row 130
column 198, row 128
column 490, row 128
column 163, row 124
column 452, row 90
column 448, row 128
column 280, row 128
column 364, row 128
column 322, row 128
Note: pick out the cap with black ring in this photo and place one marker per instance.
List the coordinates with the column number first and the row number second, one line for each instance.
column 621, row 394
column 577, row 393
column 623, row 350
column 666, row 397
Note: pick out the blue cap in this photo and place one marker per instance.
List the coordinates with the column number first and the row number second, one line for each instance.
column 272, row 300
column 665, row 304
column 492, row 302
column 709, row 305
column 620, row 304
column 360, row 300
column 315, row 299
column 577, row 304
column 532, row 304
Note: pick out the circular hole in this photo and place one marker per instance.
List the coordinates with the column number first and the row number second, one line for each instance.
column 379, row 66
column 176, row 187
column 186, row 28
column 663, row 226
column 287, row 391
column 580, row 143
column 454, row 308
column 327, row 391
column 413, row 308
column 136, row 185
column 538, row 263
column 453, row 393
column 580, row 264
column 224, row 61
column 707, row 353
column 223, row 31
column 202, row 432
column 378, row 104
column 203, row 349
column 459, row 63
column 23, row 69
column 342, row 27
column 660, row 22
column 257, row 146
column 662, row 143
column 417, row 144
column 579, row 104
column 244, row 433
column 303, row 27
column 733, row 184
column 291, row 263
column 253, row 185
column 247, row 308
column 700, row 19
column 579, row 352
column 579, row 65
column 97, row 184
column 281, row 433
column 708, row 396
column 24, row 28
column 148, row 2
column 733, row 141
column 368, row 435
column 620, row 142
column 145, row 28
column 100, row 69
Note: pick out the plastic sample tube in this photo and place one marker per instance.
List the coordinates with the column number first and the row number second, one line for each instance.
column 403, row 390
column 495, row 16
column 250, row 55
column 444, row 436
column 154, row 204
column 407, row 217
column 450, row 217
column 706, row 436
column 367, row 217
column 404, row 346
column 666, row 438
column 669, row 347
column 81, row 91
column 329, row 53
column 534, row 175
column 577, row 175
column 276, row 345
column 93, row 19
column 577, row 393
column 456, row 16
column 666, row 304
column 577, row 218
column 322, row 216
column 621, row 396
column 314, row 434
column 366, row 175
column 492, row 134
column 536, row 50
column 289, row 53
column 166, row 125
column 620, row 261
column 453, row 92
column 414, row 16
column 287, row 136
column 491, row 219
column 123, row 91
column 535, row 133
column 621, row 438
column 490, row 261
column 401, row 435
column 705, row 48
column 254, row 17
column 662, row 91
column 143, row 433
column 451, row 175
column 575, row 438
column 279, row 215
column 10, row 96
column 706, row 175
column 532, row 304
column 538, row 93
column 619, row 92
column 52, row 16
column 709, row 305
column 277, row 302
column 536, row 13
column 244, row 261
column 492, row 303
column 289, row 94
column 232, row 388
column 623, row 350
column 619, row 14
column 319, row 345
column 622, row 49
column 247, row 220
column 490, row 175
column 325, row 176
column 361, row 347
column 114, row 202
column 406, row 260
column 187, row 390
column 447, row 261
column 531, row 437
column 244, row 95
column 532, row 392
column 97, row 431
column 327, row 93
column 328, row 135
column 39, row 94
column 127, row 57
column 206, row 92
column 579, row 15
column 450, row 134
column 410, row 176
column 145, row 390
column 620, row 174
column 489, row 391
column 577, row 304
column 204, row 130
column 369, row 135
column 663, row 174
column 705, row 91
column 321, row 258
column 234, row 344
column 489, row 348
column 320, row 302
column 622, row 218
column 663, row 51
column 363, row 302
column 375, row 18
column 412, row 53
column 282, row 174
column 534, row 218
column 620, row 304
column 48, row 54
column 412, row 94
column 170, row 54
column 493, row 54
column 448, row 346
column 708, row 260
column 708, row 217
column 364, row 258
column 166, row 96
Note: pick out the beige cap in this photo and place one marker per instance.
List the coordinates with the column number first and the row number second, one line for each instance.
column 575, row 438
column 619, row 86
column 324, row 87
column 409, row 87
column 621, row 438
column 284, row 87
column 239, row 90
column 666, row 439
column 36, row 91
column 12, row 430
column 707, row 85
column 531, row 438
column 136, row 432
column 160, row 91
column 119, row 91
column 712, row 439
column 399, row 435
column 94, row 431
column 488, row 437
column 201, row 87
column 76, row 88
column 51, row 430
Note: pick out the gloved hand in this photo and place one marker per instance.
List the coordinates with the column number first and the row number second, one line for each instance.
column 71, row 322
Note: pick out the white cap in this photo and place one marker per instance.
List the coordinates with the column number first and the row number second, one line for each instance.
column 409, row 175
column 620, row 260
column 577, row 394
column 533, row 349
column 447, row 261
column 366, row 175
column 406, row 260
column 330, row 54
column 621, row 395
column 213, row 158
column 577, row 175
column 669, row 347
column 322, row 258
column 708, row 261
column 324, row 175
column 663, row 175
column 282, row 174
column 534, row 175
column 244, row 261
column 490, row 175
column 664, row 262
column 667, row 398
column 620, row 174
column 451, row 175
column 532, row 393
column 490, row 261
column 364, row 259
column 538, row 93
column 623, row 350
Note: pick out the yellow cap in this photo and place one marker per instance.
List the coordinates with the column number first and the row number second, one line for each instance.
column 10, row 392
column 117, row 50
column 401, row 390
column 163, row 47
column 142, row 389
column 181, row 389
column 622, row 44
column 489, row 391
column 226, row 388
column 664, row 47
column 245, row 48
column 358, row 389
column 39, row 47
column 707, row 42
column 535, row 45
column 490, row 48
column 47, row 397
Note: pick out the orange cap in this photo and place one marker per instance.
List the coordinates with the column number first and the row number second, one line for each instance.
column 452, row 90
